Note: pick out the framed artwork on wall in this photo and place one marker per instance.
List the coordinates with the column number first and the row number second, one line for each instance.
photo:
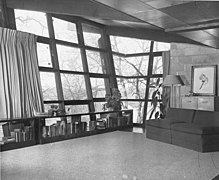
column 204, row 80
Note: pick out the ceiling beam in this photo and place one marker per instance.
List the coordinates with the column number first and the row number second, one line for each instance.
column 148, row 34
column 203, row 26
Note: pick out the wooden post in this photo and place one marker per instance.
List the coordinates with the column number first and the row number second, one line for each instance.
column 7, row 18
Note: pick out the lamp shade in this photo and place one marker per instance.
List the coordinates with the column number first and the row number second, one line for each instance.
column 172, row 80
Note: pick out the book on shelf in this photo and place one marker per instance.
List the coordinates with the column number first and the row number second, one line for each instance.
column 76, row 119
column 6, row 130
column 62, row 128
column 52, row 130
column 69, row 128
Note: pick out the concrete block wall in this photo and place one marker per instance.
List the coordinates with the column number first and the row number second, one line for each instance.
column 184, row 56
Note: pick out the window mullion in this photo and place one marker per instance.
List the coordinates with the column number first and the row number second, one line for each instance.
column 85, row 67
column 54, row 58
column 150, row 69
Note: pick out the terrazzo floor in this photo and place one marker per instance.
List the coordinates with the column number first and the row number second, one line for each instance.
column 116, row 155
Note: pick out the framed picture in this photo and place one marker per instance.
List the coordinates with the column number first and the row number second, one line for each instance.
column 204, row 80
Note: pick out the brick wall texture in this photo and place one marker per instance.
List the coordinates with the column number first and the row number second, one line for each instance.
column 184, row 56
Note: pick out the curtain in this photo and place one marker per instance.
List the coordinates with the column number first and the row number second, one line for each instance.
column 20, row 89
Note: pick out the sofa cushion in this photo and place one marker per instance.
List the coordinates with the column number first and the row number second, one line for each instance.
column 161, row 123
column 195, row 128
column 208, row 118
column 180, row 115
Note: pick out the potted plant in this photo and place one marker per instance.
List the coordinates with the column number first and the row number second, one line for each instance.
column 113, row 102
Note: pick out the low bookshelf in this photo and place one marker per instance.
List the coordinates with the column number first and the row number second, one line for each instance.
column 71, row 126
column 24, row 132
column 18, row 133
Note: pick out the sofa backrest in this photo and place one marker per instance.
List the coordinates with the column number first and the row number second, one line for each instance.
column 180, row 115
column 207, row 118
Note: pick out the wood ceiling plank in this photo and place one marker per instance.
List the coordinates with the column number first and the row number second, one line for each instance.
column 193, row 12
column 187, row 28
column 214, row 32
column 197, row 35
column 72, row 7
column 163, row 3
column 127, row 6
column 159, row 19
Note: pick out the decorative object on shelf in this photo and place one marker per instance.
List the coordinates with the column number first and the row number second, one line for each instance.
column 204, row 80
column 113, row 102
column 159, row 101
column 55, row 111
column 174, row 81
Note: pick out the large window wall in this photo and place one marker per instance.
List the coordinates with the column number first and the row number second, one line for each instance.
column 72, row 60
column 77, row 61
column 138, row 66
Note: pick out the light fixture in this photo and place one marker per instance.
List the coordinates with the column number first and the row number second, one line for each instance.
column 173, row 80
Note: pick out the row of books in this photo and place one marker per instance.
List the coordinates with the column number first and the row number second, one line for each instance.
column 63, row 128
column 25, row 133
column 113, row 122
column 74, row 127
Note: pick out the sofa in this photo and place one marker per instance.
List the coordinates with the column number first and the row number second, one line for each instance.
column 193, row 129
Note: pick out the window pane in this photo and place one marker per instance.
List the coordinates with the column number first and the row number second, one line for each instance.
column 69, row 58
column 132, row 88
column 157, row 65
column 138, row 109
column 44, row 57
column 95, row 62
column 129, row 45
column 99, row 106
column 76, row 109
column 98, row 87
column 51, row 121
column 160, row 46
column 48, row 106
column 73, row 87
column 65, row 30
column 134, row 66
column 154, row 85
column 48, row 86
column 31, row 22
column 85, row 119
column 92, row 35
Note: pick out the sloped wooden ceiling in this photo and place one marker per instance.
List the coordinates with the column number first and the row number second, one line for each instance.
column 161, row 20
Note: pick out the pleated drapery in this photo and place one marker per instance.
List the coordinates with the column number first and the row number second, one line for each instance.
column 20, row 89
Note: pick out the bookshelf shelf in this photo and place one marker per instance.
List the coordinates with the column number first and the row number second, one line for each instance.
column 82, row 134
column 24, row 132
column 18, row 133
column 56, row 132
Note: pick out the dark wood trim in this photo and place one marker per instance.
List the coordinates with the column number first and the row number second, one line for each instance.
column 85, row 68
column 54, row 58
column 99, row 100
column 118, row 54
column 52, row 102
column 77, row 102
column 137, row 54
column 42, row 39
column 134, row 100
column 110, row 64
column 132, row 77
column 66, row 43
column 150, row 69
column 195, row 27
column 90, row 48
column 7, row 17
